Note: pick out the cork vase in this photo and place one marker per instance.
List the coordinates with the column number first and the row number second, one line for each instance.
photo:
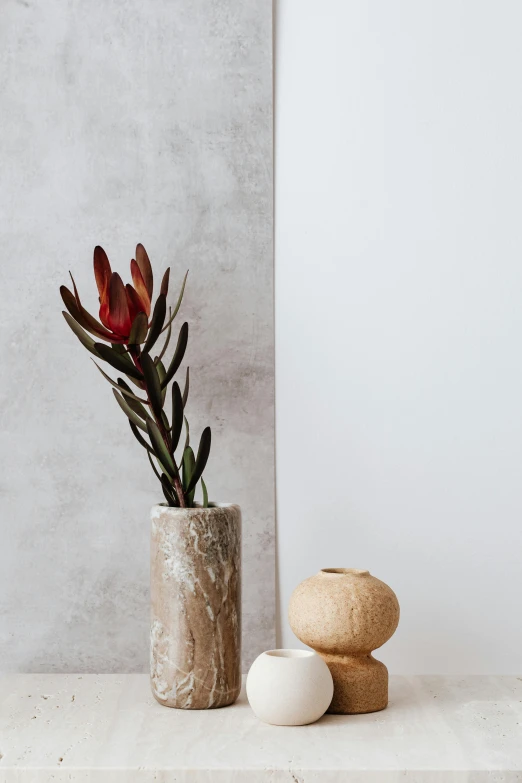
column 195, row 636
column 344, row 614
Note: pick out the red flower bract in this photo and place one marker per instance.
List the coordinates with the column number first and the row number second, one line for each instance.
column 119, row 303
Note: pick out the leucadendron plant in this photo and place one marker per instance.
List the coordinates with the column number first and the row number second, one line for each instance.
column 125, row 337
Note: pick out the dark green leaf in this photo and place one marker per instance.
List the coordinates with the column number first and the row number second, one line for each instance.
column 158, row 318
column 178, row 303
column 205, row 493
column 160, row 367
column 186, row 389
column 152, row 380
column 165, row 422
column 138, row 332
column 134, row 402
column 168, row 497
column 141, row 440
column 153, row 466
column 177, row 415
column 122, row 351
column 82, row 336
column 168, row 491
column 201, row 459
column 179, row 353
column 129, row 412
column 117, row 361
column 189, row 464
column 160, row 449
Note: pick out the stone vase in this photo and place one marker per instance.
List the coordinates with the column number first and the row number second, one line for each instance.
column 195, row 637
column 344, row 614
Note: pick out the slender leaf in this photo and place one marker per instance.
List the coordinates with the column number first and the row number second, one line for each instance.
column 117, row 361
column 141, row 440
column 186, row 389
column 189, row 464
column 201, row 459
column 125, row 390
column 168, row 497
column 168, row 490
column 158, row 318
column 134, row 402
column 82, row 336
column 160, row 448
column 166, row 343
column 165, row 423
column 122, row 351
column 165, row 282
column 160, row 367
column 85, row 319
column 70, row 303
column 93, row 322
column 152, row 380
column 153, row 466
column 178, row 303
column 187, row 430
column 177, row 415
column 179, row 353
column 129, row 412
column 205, row 493
column 138, row 332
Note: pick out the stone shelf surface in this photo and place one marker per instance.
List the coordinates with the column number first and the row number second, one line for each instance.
column 109, row 729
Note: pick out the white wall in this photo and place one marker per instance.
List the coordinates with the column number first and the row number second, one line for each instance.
column 399, row 315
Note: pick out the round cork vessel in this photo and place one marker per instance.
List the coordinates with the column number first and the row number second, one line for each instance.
column 195, row 585
column 344, row 614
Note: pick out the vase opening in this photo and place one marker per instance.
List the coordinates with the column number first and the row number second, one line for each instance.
column 345, row 571
column 290, row 653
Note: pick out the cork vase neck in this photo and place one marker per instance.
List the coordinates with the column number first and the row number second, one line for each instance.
column 195, row 583
column 344, row 614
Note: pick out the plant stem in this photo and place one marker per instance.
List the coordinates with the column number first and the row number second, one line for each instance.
column 178, row 486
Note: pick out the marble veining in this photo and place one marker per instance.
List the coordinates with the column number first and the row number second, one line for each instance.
column 195, row 640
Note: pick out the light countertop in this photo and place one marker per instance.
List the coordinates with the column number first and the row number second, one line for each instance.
column 109, row 728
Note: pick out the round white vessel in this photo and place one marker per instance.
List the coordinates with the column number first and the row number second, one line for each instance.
column 289, row 687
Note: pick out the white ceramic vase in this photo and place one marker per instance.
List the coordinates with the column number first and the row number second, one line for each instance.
column 289, row 687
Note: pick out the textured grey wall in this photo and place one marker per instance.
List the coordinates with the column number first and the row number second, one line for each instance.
column 125, row 121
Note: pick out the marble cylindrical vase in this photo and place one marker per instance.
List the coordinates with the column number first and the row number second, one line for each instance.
column 195, row 637
column 344, row 614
